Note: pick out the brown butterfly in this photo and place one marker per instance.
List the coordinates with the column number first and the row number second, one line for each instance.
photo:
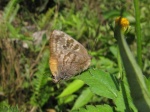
column 67, row 56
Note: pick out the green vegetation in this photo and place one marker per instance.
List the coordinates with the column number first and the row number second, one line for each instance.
column 113, row 83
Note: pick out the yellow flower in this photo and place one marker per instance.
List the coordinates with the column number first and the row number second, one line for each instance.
column 124, row 23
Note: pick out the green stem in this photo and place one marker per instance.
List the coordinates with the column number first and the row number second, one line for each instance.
column 119, row 64
column 138, row 88
column 138, row 32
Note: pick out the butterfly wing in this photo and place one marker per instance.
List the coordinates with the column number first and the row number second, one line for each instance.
column 68, row 57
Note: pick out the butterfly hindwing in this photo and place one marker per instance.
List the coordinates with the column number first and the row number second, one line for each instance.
column 67, row 56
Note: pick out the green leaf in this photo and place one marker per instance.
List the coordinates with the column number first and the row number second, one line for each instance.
column 66, row 99
column 10, row 9
column 71, row 88
column 101, row 83
column 83, row 99
column 147, row 81
column 104, row 63
column 41, row 91
column 113, row 13
column 97, row 108
column 114, row 51
column 124, row 101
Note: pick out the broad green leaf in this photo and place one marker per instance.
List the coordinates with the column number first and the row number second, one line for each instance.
column 71, row 88
column 83, row 99
column 91, row 108
column 101, row 83
column 97, row 108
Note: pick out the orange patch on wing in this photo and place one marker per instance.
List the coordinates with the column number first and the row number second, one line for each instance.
column 53, row 65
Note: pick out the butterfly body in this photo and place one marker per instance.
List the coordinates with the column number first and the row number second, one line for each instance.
column 67, row 56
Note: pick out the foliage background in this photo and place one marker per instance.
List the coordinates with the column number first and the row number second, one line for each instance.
column 25, row 26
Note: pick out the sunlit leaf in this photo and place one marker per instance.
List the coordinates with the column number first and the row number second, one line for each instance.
column 97, row 108
column 72, row 87
column 83, row 99
column 101, row 83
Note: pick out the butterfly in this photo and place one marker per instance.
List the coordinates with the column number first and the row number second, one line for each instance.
column 67, row 56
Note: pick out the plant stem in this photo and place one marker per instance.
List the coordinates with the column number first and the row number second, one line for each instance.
column 138, row 32
column 138, row 88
